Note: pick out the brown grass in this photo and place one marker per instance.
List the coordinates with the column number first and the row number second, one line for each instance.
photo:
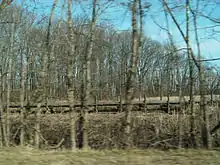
column 150, row 130
column 29, row 156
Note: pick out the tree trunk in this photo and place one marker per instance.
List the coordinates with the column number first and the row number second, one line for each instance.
column 9, row 81
column 130, row 86
column 173, row 49
column 205, row 126
column 22, row 89
column 43, row 87
column 140, row 47
column 2, row 114
column 86, row 79
column 70, row 87
column 22, row 94
column 192, row 112
column 37, row 126
column 205, row 130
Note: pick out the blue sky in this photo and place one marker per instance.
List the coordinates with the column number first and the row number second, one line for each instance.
column 119, row 16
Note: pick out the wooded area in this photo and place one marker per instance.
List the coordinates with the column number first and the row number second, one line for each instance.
column 80, row 64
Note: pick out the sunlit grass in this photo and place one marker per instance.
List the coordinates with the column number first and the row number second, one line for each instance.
column 29, row 156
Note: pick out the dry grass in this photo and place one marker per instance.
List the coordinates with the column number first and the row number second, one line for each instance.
column 28, row 156
column 149, row 130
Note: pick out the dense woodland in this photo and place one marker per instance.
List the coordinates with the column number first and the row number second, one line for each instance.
column 83, row 60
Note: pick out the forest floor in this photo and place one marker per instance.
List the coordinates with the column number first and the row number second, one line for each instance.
column 28, row 156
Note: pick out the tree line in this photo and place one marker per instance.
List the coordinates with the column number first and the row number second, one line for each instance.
column 82, row 60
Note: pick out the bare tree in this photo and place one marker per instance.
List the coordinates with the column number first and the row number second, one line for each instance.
column 22, row 94
column 191, row 68
column 22, row 86
column 43, row 77
column 170, row 62
column 131, row 79
column 203, row 108
column 69, row 81
column 140, row 49
column 2, row 114
column 9, row 76
column 52, row 61
column 86, row 79
column 206, row 137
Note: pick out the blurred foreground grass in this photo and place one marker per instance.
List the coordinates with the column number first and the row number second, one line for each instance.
column 28, row 156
